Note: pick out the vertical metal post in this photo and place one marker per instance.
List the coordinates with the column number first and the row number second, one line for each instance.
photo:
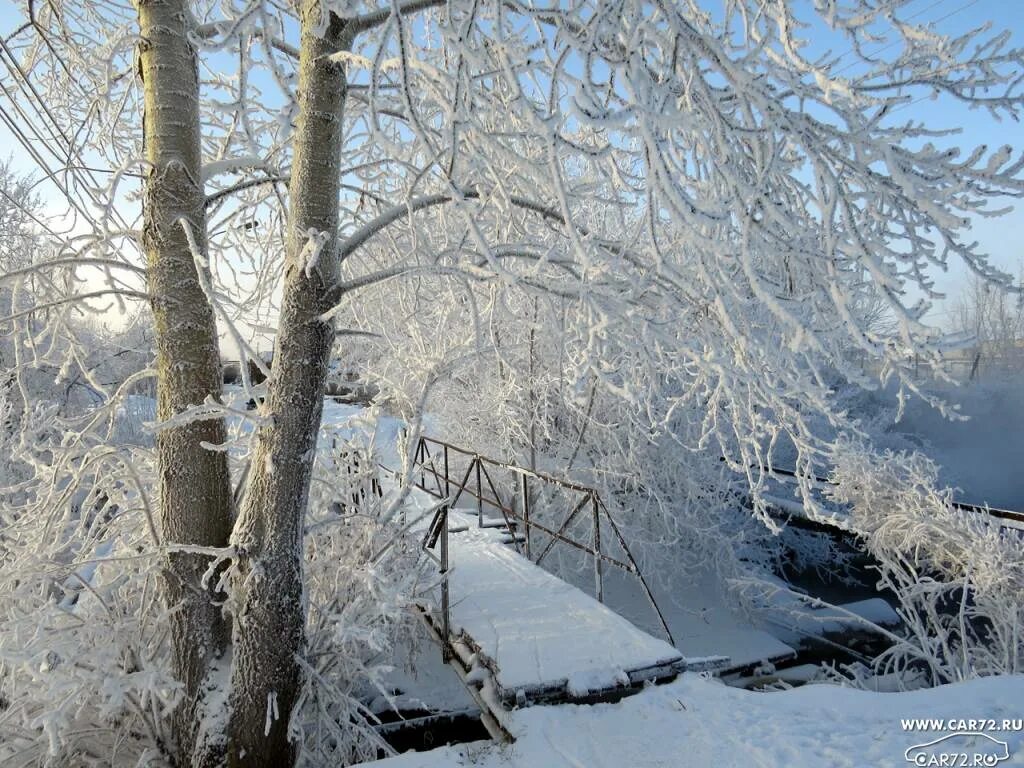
column 526, row 513
column 421, row 450
column 598, row 565
column 353, row 471
column 479, row 497
column 445, row 609
column 447, row 481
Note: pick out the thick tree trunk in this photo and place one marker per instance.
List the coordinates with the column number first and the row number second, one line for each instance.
column 269, row 630
column 195, row 492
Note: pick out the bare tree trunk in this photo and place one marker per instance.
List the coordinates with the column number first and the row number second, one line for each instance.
column 269, row 630
column 195, row 489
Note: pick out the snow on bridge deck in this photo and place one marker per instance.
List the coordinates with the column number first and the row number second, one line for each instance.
column 538, row 637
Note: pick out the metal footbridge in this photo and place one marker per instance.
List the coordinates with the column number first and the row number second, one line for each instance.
column 514, row 632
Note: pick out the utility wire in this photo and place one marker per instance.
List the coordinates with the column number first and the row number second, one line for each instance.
column 40, row 103
column 29, row 146
column 44, row 116
column 891, row 45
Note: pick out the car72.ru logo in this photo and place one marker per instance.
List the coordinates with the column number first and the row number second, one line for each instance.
column 965, row 749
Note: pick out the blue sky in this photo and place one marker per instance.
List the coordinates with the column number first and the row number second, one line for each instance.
column 1001, row 238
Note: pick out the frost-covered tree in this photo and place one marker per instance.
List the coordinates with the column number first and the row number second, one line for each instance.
column 195, row 490
column 18, row 207
column 699, row 200
column 993, row 319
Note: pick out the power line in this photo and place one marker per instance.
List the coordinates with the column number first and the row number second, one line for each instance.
column 40, row 102
column 933, row 22
column 889, row 45
column 29, row 146
column 45, row 117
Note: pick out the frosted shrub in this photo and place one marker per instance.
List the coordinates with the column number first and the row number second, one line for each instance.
column 958, row 576
column 85, row 670
column 82, row 641
column 362, row 572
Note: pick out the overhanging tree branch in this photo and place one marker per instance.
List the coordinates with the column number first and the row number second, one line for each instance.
column 368, row 21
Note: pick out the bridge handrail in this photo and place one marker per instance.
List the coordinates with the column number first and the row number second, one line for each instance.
column 438, row 529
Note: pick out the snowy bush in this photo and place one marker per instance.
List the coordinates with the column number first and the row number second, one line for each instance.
column 82, row 640
column 362, row 574
column 85, row 670
column 958, row 575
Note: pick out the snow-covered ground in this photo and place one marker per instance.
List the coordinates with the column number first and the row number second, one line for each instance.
column 702, row 722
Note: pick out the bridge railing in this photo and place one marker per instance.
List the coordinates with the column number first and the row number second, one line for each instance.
column 451, row 473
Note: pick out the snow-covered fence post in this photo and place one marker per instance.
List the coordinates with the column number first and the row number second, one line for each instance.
column 479, row 495
column 447, row 481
